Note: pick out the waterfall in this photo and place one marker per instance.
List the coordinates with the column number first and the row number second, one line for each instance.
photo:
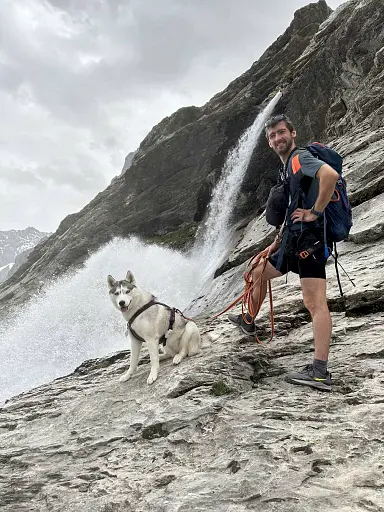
column 73, row 320
column 213, row 237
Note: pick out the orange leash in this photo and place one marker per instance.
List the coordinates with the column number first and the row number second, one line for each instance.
column 246, row 297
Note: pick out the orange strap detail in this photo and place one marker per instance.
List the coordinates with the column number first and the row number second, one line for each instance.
column 303, row 255
column 337, row 196
column 296, row 165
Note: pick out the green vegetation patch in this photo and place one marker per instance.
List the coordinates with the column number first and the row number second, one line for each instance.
column 181, row 238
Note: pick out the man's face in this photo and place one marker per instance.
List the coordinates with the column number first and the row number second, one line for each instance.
column 280, row 139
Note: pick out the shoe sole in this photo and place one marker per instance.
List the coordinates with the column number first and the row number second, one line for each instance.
column 242, row 328
column 313, row 384
column 253, row 333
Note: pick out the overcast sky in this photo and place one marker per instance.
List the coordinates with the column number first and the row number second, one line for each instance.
column 83, row 81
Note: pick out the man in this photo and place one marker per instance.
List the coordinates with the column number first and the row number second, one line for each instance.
column 311, row 185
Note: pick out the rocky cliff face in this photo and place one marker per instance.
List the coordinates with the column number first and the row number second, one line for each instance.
column 128, row 161
column 183, row 154
column 223, row 431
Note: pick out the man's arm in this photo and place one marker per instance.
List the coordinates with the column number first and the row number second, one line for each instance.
column 327, row 180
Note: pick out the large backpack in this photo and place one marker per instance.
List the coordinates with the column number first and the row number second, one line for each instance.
column 338, row 213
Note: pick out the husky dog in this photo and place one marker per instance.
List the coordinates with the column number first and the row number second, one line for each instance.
column 152, row 325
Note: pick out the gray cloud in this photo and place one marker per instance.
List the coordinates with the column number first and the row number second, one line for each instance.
column 83, row 81
column 20, row 177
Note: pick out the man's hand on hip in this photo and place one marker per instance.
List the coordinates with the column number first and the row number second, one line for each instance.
column 300, row 215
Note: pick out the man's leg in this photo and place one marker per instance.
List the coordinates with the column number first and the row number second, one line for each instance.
column 316, row 375
column 269, row 273
column 315, row 300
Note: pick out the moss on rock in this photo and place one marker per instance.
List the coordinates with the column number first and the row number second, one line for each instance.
column 181, row 238
column 220, row 388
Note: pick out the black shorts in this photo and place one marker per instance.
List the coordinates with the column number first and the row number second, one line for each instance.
column 311, row 266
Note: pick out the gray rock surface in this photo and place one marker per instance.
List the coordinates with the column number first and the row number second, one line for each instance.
column 4, row 271
column 221, row 432
column 128, row 161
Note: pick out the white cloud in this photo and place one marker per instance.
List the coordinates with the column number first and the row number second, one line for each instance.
column 83, row 81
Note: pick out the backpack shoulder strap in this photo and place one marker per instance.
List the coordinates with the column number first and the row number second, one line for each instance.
column 286, row 165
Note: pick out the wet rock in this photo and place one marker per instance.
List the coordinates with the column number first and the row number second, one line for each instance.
column 367, row 224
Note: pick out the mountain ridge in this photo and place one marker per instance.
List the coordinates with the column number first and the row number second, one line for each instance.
column 15, row 246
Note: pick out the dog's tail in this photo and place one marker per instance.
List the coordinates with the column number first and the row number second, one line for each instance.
column 191, row 338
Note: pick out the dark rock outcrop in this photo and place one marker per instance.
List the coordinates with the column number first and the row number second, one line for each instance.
column 128, row 161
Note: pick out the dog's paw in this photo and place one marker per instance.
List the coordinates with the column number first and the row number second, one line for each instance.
column 125, row 377
column 151, row 378
column 177, row 359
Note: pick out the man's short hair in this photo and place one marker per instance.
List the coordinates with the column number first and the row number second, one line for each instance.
column 274, row 120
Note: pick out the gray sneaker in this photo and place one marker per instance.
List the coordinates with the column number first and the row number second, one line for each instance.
column 248, row 329
column 309, row 376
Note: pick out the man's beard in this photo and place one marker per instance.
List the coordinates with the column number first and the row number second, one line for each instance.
column 285, row 148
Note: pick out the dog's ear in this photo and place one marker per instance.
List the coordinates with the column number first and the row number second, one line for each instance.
column 111, row 282
column 130, row 278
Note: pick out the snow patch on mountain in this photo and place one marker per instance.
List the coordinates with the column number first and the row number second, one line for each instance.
column 15, row 245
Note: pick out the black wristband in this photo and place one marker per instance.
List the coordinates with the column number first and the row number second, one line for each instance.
column 316, row 212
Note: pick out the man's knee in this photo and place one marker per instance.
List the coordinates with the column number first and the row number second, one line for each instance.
column 315, row 302
column 314, row 294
